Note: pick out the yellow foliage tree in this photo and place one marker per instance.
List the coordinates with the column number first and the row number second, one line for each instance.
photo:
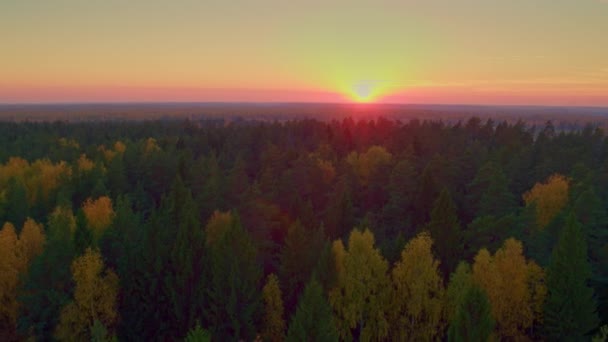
column 99, row 214
column 151, row 146
column 109, row 154
column 85, row 164
column 361, row 294
column 14, row 167
column 40, row 177
column 366, row 163
column 514, row 286
column 418, row 300
column 218, row 224
column 274, row 323
column 120, row 147
column 49, row 175
column 549, row 197
column 31, row 240
column 94, row 299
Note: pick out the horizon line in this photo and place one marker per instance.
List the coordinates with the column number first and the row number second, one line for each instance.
column 254, row 103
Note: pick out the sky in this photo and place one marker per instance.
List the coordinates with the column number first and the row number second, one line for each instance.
column 519, row 52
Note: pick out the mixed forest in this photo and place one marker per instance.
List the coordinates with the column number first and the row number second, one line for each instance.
column 303, row 230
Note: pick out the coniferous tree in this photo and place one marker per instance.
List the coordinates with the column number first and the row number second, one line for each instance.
column 488, row 193
column 48, row 285
column 570, row 308
column 446, row 231
column 593, row 216
column 83, row 237
column 233, row 290
column 17, row 206
column 460, row 281
column 473, row 318
column 299, row 256
column 313, row 319
column 185, row 277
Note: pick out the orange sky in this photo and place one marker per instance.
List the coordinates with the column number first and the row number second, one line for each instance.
column 551, row 52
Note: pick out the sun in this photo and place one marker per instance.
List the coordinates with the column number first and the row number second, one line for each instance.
column 365, row 91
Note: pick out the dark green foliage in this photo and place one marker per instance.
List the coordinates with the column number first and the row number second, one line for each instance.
column 446, row 232
column 591, row 212
column 83, row 237
column 313, row 319
column 117, row 178
column 234, row 288
column 570, row 307
column 184, row 277
column 17, row 207
column 488, row 193
column 473, row 320
column 339, row 217
column 396, row 213
column 426, row 195
column 198, row 334
column 299, row 257
column 488, row 232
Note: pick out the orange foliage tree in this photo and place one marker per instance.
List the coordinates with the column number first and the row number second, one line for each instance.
column 16, row 254
column 549, row 197
column 99, row 214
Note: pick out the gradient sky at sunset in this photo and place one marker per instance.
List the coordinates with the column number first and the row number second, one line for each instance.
column 552, row 52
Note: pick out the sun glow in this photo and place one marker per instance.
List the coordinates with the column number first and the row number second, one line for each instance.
column 366, row 91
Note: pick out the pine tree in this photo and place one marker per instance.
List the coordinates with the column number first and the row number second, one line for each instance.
column 313, row 319
column 570, row 308
column 473, row 319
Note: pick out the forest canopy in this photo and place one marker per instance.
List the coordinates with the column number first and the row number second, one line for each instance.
column 302, row 230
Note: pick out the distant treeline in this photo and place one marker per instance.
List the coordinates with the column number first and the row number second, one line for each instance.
column 303, row 230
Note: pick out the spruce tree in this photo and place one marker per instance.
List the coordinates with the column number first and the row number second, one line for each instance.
column 570, row 307
column 313, row 319
column 234, row 287
column 446, row 232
